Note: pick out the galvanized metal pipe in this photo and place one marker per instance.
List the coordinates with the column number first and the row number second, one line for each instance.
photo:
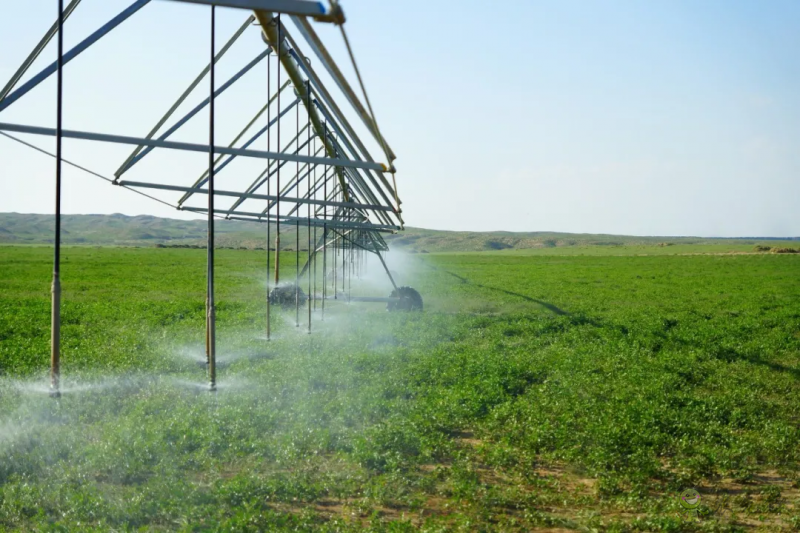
column 291, row 199
column 365, row 190
column 174, row 145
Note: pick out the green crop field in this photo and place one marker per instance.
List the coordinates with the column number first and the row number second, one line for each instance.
column 579, row 390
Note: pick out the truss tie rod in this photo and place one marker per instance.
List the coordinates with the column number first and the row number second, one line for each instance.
column 252, row 195
column 361, row 223
column 303, row 8
column 72, row 54
column 307, row 169
column 258, row 217
column 199, row 107
column 202, row 179
column 188, row 91
column 354, row 243
column 319, row 223
column 217, row 169
column 36, row 51
column 189, row 147
column 264, row 177
column 312, row 224
column 269, row 171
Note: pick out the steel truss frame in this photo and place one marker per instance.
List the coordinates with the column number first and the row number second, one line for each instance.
column 344, row 190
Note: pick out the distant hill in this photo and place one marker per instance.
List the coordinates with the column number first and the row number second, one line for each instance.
column 116, row 229
column 145, row 230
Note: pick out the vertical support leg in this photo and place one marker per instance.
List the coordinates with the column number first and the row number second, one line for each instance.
column 278, row 170
column 315, row 232
column 277, row 245
column 348, row 250
column 343, row 246
column 309, row 259
column 350, row 274
column 324, row 227
column 315, row 271
column 55, row 337
column 335, row 263
column 55, row 310
column 268, row 277
column 269, row 147
column 210, row 311
column 297, row 224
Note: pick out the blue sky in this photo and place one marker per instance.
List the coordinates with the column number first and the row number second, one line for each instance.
column 646, row 118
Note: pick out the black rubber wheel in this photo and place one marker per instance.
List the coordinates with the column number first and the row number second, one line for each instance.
column 408, row 300
column 285, row 295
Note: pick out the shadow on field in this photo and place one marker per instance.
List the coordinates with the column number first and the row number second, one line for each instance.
column 550, row 307
column 730, row 355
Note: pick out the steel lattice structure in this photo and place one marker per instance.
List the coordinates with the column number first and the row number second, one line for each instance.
column 324, row 179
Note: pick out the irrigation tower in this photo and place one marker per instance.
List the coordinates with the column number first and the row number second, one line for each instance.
column 316, row 173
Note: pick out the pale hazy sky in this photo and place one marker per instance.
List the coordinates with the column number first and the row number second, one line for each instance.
column 629, row 117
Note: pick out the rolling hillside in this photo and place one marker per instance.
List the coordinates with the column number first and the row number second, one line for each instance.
column 145, row 230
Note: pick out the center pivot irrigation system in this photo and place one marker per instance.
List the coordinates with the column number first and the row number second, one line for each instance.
column 335, row 190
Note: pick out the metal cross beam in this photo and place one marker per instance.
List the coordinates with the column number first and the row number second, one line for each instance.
column 189, row 147
column 260, row 217
column 293, row 200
